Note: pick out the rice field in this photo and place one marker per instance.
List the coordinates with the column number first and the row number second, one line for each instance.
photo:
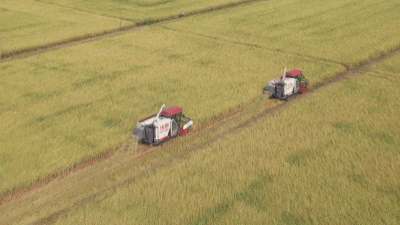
column 27, row 25
column 330, row 158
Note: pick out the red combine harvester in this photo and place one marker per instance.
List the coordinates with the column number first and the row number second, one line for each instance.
column 289, row 84
column 164, row 125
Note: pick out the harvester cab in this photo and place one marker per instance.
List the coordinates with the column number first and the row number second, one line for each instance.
column 288, row 85
column 164, row 125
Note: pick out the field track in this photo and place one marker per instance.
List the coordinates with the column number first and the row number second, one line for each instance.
column 95, row 180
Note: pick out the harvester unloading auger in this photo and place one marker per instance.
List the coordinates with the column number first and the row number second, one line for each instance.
column 164, row 125
column 288, row 85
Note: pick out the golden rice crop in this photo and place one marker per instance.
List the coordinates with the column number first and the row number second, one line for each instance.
column 329, row 158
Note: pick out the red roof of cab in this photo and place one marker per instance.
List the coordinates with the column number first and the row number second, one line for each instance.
column 171, row 111
column 294, row 73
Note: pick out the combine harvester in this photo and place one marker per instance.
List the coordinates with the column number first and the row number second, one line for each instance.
column 163, row 126
column 285, row 87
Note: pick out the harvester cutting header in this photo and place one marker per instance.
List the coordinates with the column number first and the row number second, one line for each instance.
column 164, row 125
column 288, row 85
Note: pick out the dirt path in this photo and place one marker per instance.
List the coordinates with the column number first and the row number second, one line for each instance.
column 99, row 180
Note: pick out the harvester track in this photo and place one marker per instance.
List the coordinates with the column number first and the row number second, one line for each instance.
column 97, row 182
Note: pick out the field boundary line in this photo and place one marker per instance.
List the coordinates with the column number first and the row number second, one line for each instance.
column 103, row 194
